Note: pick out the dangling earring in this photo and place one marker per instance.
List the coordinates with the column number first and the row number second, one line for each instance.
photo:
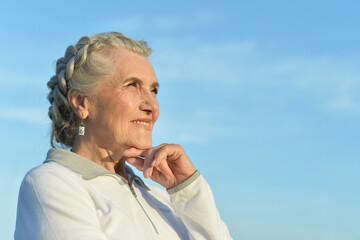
column 81, row 128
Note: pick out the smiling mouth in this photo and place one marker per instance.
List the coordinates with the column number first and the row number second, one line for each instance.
column 142, row 123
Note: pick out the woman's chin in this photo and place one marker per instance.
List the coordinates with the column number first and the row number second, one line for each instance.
column 143, row 145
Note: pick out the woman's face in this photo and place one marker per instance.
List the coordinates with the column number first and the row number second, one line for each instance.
column 125, row 108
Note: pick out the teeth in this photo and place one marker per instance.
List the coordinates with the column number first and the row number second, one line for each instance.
column 143, row 123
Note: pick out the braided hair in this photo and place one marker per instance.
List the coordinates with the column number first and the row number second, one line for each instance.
column 82, row 69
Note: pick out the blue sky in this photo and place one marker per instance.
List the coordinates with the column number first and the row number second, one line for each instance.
column 263, row 95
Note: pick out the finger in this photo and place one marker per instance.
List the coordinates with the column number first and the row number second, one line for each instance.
column 136, row 162
column 149, row 162
column 168, row 152
column 163, row 167
column 161, row 161
column 147, row 154
column 140, row 159
column 134, row 152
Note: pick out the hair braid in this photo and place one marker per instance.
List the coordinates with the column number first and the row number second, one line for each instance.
column 80, row 70
column 60, row 112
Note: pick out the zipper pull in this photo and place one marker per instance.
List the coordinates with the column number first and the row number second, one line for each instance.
column 133, row 191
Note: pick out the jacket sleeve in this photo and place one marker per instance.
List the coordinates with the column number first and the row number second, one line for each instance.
column 194, row 203
column 50, row 208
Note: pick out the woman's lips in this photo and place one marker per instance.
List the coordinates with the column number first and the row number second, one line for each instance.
column 144, row 122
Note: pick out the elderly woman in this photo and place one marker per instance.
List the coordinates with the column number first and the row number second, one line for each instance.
column 103, row 107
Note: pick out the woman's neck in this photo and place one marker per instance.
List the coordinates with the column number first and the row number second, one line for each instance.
column 112, row 161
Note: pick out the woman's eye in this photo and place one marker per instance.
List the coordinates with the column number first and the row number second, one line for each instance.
column 132, row 84
column 155, row 90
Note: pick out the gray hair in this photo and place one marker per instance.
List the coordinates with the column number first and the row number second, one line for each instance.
column 82, row 69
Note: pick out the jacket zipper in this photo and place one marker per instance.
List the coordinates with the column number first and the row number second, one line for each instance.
column 134, row 194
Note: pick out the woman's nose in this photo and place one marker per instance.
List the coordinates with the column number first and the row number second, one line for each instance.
column 150, row 103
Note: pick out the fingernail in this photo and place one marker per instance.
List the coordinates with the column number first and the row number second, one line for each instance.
column 147, row 173
column 153, row 163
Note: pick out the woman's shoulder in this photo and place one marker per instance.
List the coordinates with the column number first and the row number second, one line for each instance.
column 51, row 170
column 52, row 182
column 51, row 175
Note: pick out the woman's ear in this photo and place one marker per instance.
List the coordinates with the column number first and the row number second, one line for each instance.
column 78, row 103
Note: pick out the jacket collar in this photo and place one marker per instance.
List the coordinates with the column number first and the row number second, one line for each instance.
column 87, row 168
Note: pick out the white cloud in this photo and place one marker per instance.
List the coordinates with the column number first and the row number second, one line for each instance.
column 28, row 115
column 195, row 129
column 164, row 22
column 126, row 25
column 191, row 21
column 344, row 103
column 180, row 54
column 327, row 81
column 8, row 78
column 330, row 83
column 195, row 60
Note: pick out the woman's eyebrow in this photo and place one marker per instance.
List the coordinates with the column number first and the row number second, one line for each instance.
column 155, row 85
column 135, row 79
column 138, row 80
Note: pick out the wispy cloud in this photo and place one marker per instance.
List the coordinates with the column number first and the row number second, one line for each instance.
column 201, row 61
column 345, row 103
column 196, row 129
column 12, row 79
column 162, row 23
column 181, row 54
column 329, row 82
column 188, row 22
column 27, row 115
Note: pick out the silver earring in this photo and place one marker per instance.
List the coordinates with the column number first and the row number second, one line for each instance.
column 81, row 128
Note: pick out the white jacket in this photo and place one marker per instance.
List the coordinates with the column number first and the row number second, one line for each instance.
column 72, row 198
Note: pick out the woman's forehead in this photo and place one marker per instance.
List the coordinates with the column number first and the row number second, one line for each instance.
column 131, row 62
column 128, row 65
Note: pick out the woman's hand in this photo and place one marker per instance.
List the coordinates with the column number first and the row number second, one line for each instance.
column 166, row 164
